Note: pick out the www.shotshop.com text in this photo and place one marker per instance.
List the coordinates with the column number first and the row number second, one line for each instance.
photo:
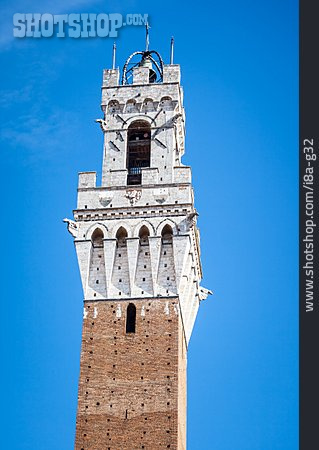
column 309, row 213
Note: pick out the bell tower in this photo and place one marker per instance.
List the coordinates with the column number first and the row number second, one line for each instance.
column 137, row 245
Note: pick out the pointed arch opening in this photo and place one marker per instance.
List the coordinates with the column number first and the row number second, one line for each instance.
column 96, row 279
column 167, row 234
column 143, row 275
column 131, row 318
column 121, row 236
column 143, row 235
column 166, row 272
column 120, row 282
column 97, row 238
column 138, row 150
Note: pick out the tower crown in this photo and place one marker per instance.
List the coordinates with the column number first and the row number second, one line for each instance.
column 149, row 98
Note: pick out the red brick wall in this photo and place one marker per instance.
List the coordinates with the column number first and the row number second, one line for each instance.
column 131, row 385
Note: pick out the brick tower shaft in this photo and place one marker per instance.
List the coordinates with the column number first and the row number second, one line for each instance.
column 132, row 391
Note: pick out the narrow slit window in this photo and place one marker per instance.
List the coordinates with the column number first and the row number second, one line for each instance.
column 130, row 318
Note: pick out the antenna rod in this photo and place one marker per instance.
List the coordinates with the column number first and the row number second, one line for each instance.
column 172, row 50
column 114, row 55
column 147, row 39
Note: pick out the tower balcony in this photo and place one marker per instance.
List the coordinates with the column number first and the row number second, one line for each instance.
column 134, row 176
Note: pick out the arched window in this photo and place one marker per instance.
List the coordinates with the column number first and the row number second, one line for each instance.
column 167, row 234
column 131, row 106
column 130, row 318
column 166, row 103
column 96, row 275
column 148, row 105
column 138, row 150
column 113, row 107
column 121, row 236
column 97, row 238
column 143, row 235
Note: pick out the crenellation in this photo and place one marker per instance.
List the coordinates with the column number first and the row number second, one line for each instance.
column 111, row 77
column 149, row 175
column 140, row 75
column 171, row 73
column 117, row 177
column 87, row 180
column 182, row 174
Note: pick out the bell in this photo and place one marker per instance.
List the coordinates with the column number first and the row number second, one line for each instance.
column 146, row 62
column 152, row 76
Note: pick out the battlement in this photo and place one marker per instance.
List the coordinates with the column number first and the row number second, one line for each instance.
column 171, row 74
column 87, row 179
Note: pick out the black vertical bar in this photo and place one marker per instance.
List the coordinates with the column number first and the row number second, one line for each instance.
column 309, row 225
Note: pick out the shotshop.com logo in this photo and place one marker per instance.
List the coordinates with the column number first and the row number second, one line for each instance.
column 73, row 25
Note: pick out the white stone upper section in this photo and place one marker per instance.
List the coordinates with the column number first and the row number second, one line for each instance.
column 137, row 240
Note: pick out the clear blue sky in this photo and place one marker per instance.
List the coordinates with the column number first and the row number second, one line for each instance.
column 239, row 71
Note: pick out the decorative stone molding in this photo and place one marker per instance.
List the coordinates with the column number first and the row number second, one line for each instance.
column 160, row 195
column 133, row 195
column 102, row 123
column 105, row 200
column 203, row 293
column 72, row 227
column 189, row 222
